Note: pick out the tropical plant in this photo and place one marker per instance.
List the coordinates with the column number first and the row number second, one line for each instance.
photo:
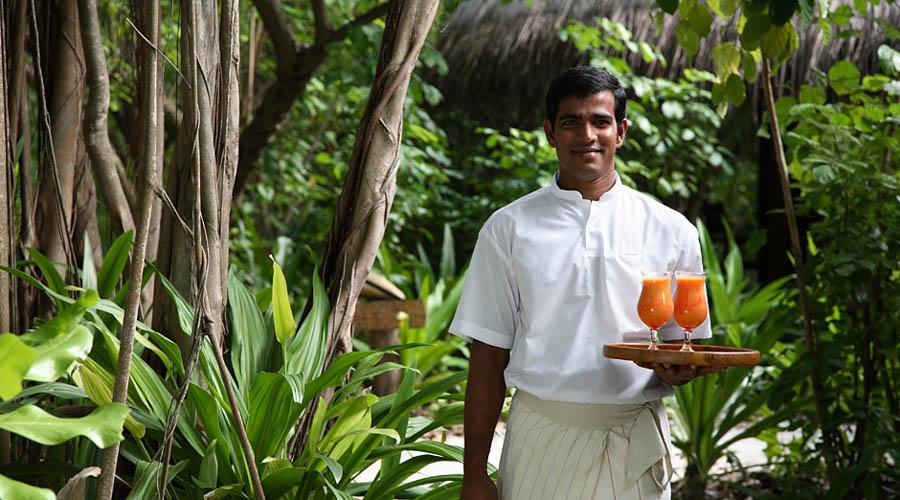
column 717, row 410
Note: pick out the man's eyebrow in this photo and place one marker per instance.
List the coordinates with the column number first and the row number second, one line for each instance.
column 594, row 116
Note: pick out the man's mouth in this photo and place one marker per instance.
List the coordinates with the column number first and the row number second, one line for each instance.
column 587, row 151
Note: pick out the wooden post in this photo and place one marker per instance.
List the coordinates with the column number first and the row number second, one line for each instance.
column 378, row 317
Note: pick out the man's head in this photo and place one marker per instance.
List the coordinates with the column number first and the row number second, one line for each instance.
column 586, row 124
column 583, row 81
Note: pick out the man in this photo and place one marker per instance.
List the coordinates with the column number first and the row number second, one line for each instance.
column 554, row 276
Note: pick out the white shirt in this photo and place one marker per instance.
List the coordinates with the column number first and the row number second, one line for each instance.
column 554, row 277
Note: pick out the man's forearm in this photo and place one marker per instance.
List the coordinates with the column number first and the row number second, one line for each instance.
column 485, row 393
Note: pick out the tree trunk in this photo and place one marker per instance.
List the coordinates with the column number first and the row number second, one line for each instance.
column 359, row 222
column 149, row 97
column 105, row 163
column 57, row 184
column 7, row 194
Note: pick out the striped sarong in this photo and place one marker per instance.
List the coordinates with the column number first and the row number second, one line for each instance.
column 555, row 450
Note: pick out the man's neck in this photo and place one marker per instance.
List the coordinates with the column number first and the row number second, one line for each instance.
column 590, row 190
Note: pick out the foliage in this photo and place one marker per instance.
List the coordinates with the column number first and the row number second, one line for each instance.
column 840, row 154
column 44, row 355
column 711, row 411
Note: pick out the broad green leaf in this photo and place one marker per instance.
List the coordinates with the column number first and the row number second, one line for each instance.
column 250, row 343
column 98, row 385
column 55, row 389
column 723, row 8
column 12, row 489
column 185, row 311
column 103, row 426
column 687, row 39
column 281, row 306
column 273, row 413
column 60, row 324
column 726, row 59
column 749, row 61
column 889, row 59
column 782, row 11
column 15, row 361
column 212, row 416
column 448, row 255
column 59, row 298
column 209, row 467
column 754, row 29
column 147, row 478
column 54, row 357
column 88, row 270
column 669, row 6
column 700, row 19
column 776, row 41
column 843, row 77
column 282, row 481
column 812, row 94
column 306, row 351
column 384, row 487
column 113, row 264
column 734, row 90
column 49, row 270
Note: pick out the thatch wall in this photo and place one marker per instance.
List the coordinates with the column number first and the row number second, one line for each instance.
column 501, row 57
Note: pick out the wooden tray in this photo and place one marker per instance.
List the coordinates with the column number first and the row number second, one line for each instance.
column 703, row 355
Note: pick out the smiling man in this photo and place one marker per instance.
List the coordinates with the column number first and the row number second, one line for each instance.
column 554, row 276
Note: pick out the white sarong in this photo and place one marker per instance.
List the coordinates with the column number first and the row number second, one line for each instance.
column 556, row 450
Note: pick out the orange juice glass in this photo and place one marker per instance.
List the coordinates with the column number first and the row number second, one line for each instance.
column 655, row 305
column 690, row 303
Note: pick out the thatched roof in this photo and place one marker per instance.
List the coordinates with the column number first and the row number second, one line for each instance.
column 502, row 57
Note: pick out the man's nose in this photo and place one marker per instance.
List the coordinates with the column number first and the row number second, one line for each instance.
column 587, row 132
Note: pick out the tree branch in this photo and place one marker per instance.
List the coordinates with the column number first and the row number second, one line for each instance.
column 364, row 18
column 149, row 97
column 279, row 30
column 323, row 29
column 280, row 96
column 105, row 163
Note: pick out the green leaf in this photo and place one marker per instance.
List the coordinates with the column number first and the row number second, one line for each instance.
column 209, row 467
column 250, row 342
column 811, row 94
column 98, row 385
column 700, row 19
column 147, row 478
column 687, row 39
column 723, row 8
column 113, row 264
column 103, row 426
column 88, row 270
column 669, row 6
column 185, row 311
column 726, row 59
column 15, row 360
column 49, row 271
column 777, row 42
column 55, row 389
column 734, row 90
column 843, row 77
column 306, row 351
column 748, row 63
column 273, row 413
column 754, row 29
column 20, row 491
column 672, row 110
column 782, row 11
column 889, row 59
column 448, row 255
column 56, row 356
column 281, row 305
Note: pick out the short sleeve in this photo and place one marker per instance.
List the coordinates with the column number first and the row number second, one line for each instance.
column 488, row 307
column 689, row 259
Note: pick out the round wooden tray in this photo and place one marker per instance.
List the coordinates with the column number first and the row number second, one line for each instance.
column 703, row 355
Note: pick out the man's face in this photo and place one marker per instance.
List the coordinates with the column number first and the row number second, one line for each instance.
column 586, row 138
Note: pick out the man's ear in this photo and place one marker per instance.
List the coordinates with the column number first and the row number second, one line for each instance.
column 548, row 131
column 620, row 132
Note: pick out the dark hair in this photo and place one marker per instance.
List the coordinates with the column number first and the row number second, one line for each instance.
column 582, row 82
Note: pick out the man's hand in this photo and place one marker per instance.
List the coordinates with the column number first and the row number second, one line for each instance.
column 679, row 374
column 478, row 487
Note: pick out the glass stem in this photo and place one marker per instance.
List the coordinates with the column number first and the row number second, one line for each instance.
column 654, row 338
column 687, row 341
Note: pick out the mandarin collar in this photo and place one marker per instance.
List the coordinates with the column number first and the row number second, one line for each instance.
column 575, row 196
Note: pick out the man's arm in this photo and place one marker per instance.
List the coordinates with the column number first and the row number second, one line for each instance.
column 485, row 392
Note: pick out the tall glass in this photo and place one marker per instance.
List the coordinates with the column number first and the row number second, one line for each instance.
column 655, row 305
column 690, row 303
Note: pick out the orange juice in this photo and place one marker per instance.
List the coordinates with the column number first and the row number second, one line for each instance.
column 655, row 305
column 690, row 301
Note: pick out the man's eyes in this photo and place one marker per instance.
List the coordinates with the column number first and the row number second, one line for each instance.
column 596, row 123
